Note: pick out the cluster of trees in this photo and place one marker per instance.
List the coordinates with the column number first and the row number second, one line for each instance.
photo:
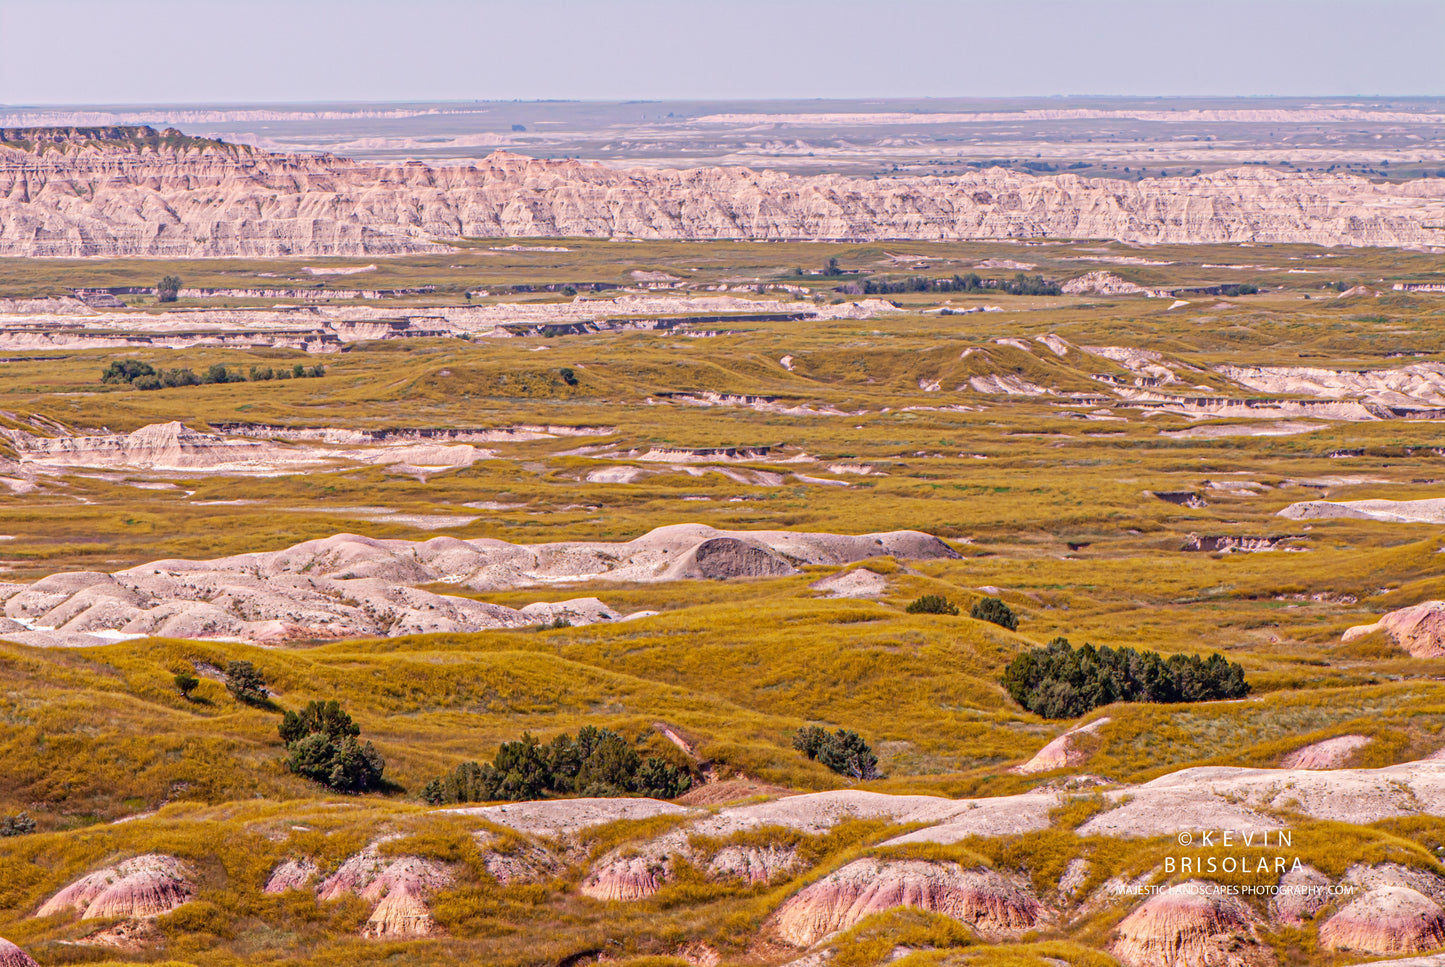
column 168, row 289
column 323, row 744
column 1059, row 681
column 142, row 375
column 843, row 751
column 598, row 762
column 1020, row 284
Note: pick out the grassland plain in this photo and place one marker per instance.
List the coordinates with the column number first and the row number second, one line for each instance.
column 872, row 425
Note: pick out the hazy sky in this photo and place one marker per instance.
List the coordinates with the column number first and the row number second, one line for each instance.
column 135, row 51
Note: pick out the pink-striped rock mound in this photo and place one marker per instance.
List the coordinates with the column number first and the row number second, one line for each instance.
column 13, row 956
column 291, row 875
column 398, row 886
column 1386, row 920
column 1190, row 925
column 995, row 904
column 1329, row 754
column 1419, row 629
column 630, row 878
column 145, row 886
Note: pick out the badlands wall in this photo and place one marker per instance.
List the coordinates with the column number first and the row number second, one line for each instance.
column 124, row 192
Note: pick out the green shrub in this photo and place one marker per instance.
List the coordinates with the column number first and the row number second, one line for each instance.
column 843, row 751
column 1059, row 682
column 126, row 371
column 186, row 683
column 598, row 762
column 994, row 610
column 168, row 289
column 932, row 604
column 247, row 684
column 322, row 745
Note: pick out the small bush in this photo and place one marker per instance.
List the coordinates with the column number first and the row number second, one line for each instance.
column 147, row 382
column 322, row 745
column 247, row 684
column 18, row 825
column 1060, row 682
column 186, row 683
column 568, row 376
column 168, row 289
column 992, row 609
column 843, row 751
column 932, row 604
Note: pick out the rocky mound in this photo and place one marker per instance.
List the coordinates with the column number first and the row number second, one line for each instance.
column 1429, row 511
column 1387, row 919
column 1419, row 385
column 1301, row 895
column 1190, row 924
column 350, row 586
column 145, row 886
column 398, row 888
column 188, row 200
column 13, row 956
column 1063, row 752
column 291, row 875
column 856, row 583
column 994, row 903
column 1329, row 754
column 1103, row 283
column 631, row 878
column 1419, row 629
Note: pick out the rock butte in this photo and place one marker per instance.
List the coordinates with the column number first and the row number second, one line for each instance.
column 350, row 586
column 1189, row 925
column 126, row 192
column 1063, row 752
column 1419, row 629
column 996, row 904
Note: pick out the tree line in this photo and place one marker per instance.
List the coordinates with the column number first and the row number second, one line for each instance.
column 1059, row 681
column 596, row 763
column 142, row 375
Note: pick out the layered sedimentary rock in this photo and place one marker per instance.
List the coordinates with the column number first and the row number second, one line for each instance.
column 1386, row 920
column 1419, row 629
column 1192, row 924
column 13, row 956
column 992, row 902
column 129, row 192
column 145, row 886
column 349, row 586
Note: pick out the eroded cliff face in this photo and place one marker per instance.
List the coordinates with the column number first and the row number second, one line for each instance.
column 115, row 193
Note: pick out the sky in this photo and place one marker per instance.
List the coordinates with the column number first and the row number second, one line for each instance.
column 246, row 51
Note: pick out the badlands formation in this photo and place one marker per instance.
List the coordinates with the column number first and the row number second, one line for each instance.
column 349, row 586
column 120, row 192
column 1370, row 909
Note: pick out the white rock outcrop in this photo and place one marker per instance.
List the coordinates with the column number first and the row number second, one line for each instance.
column 126, row 192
